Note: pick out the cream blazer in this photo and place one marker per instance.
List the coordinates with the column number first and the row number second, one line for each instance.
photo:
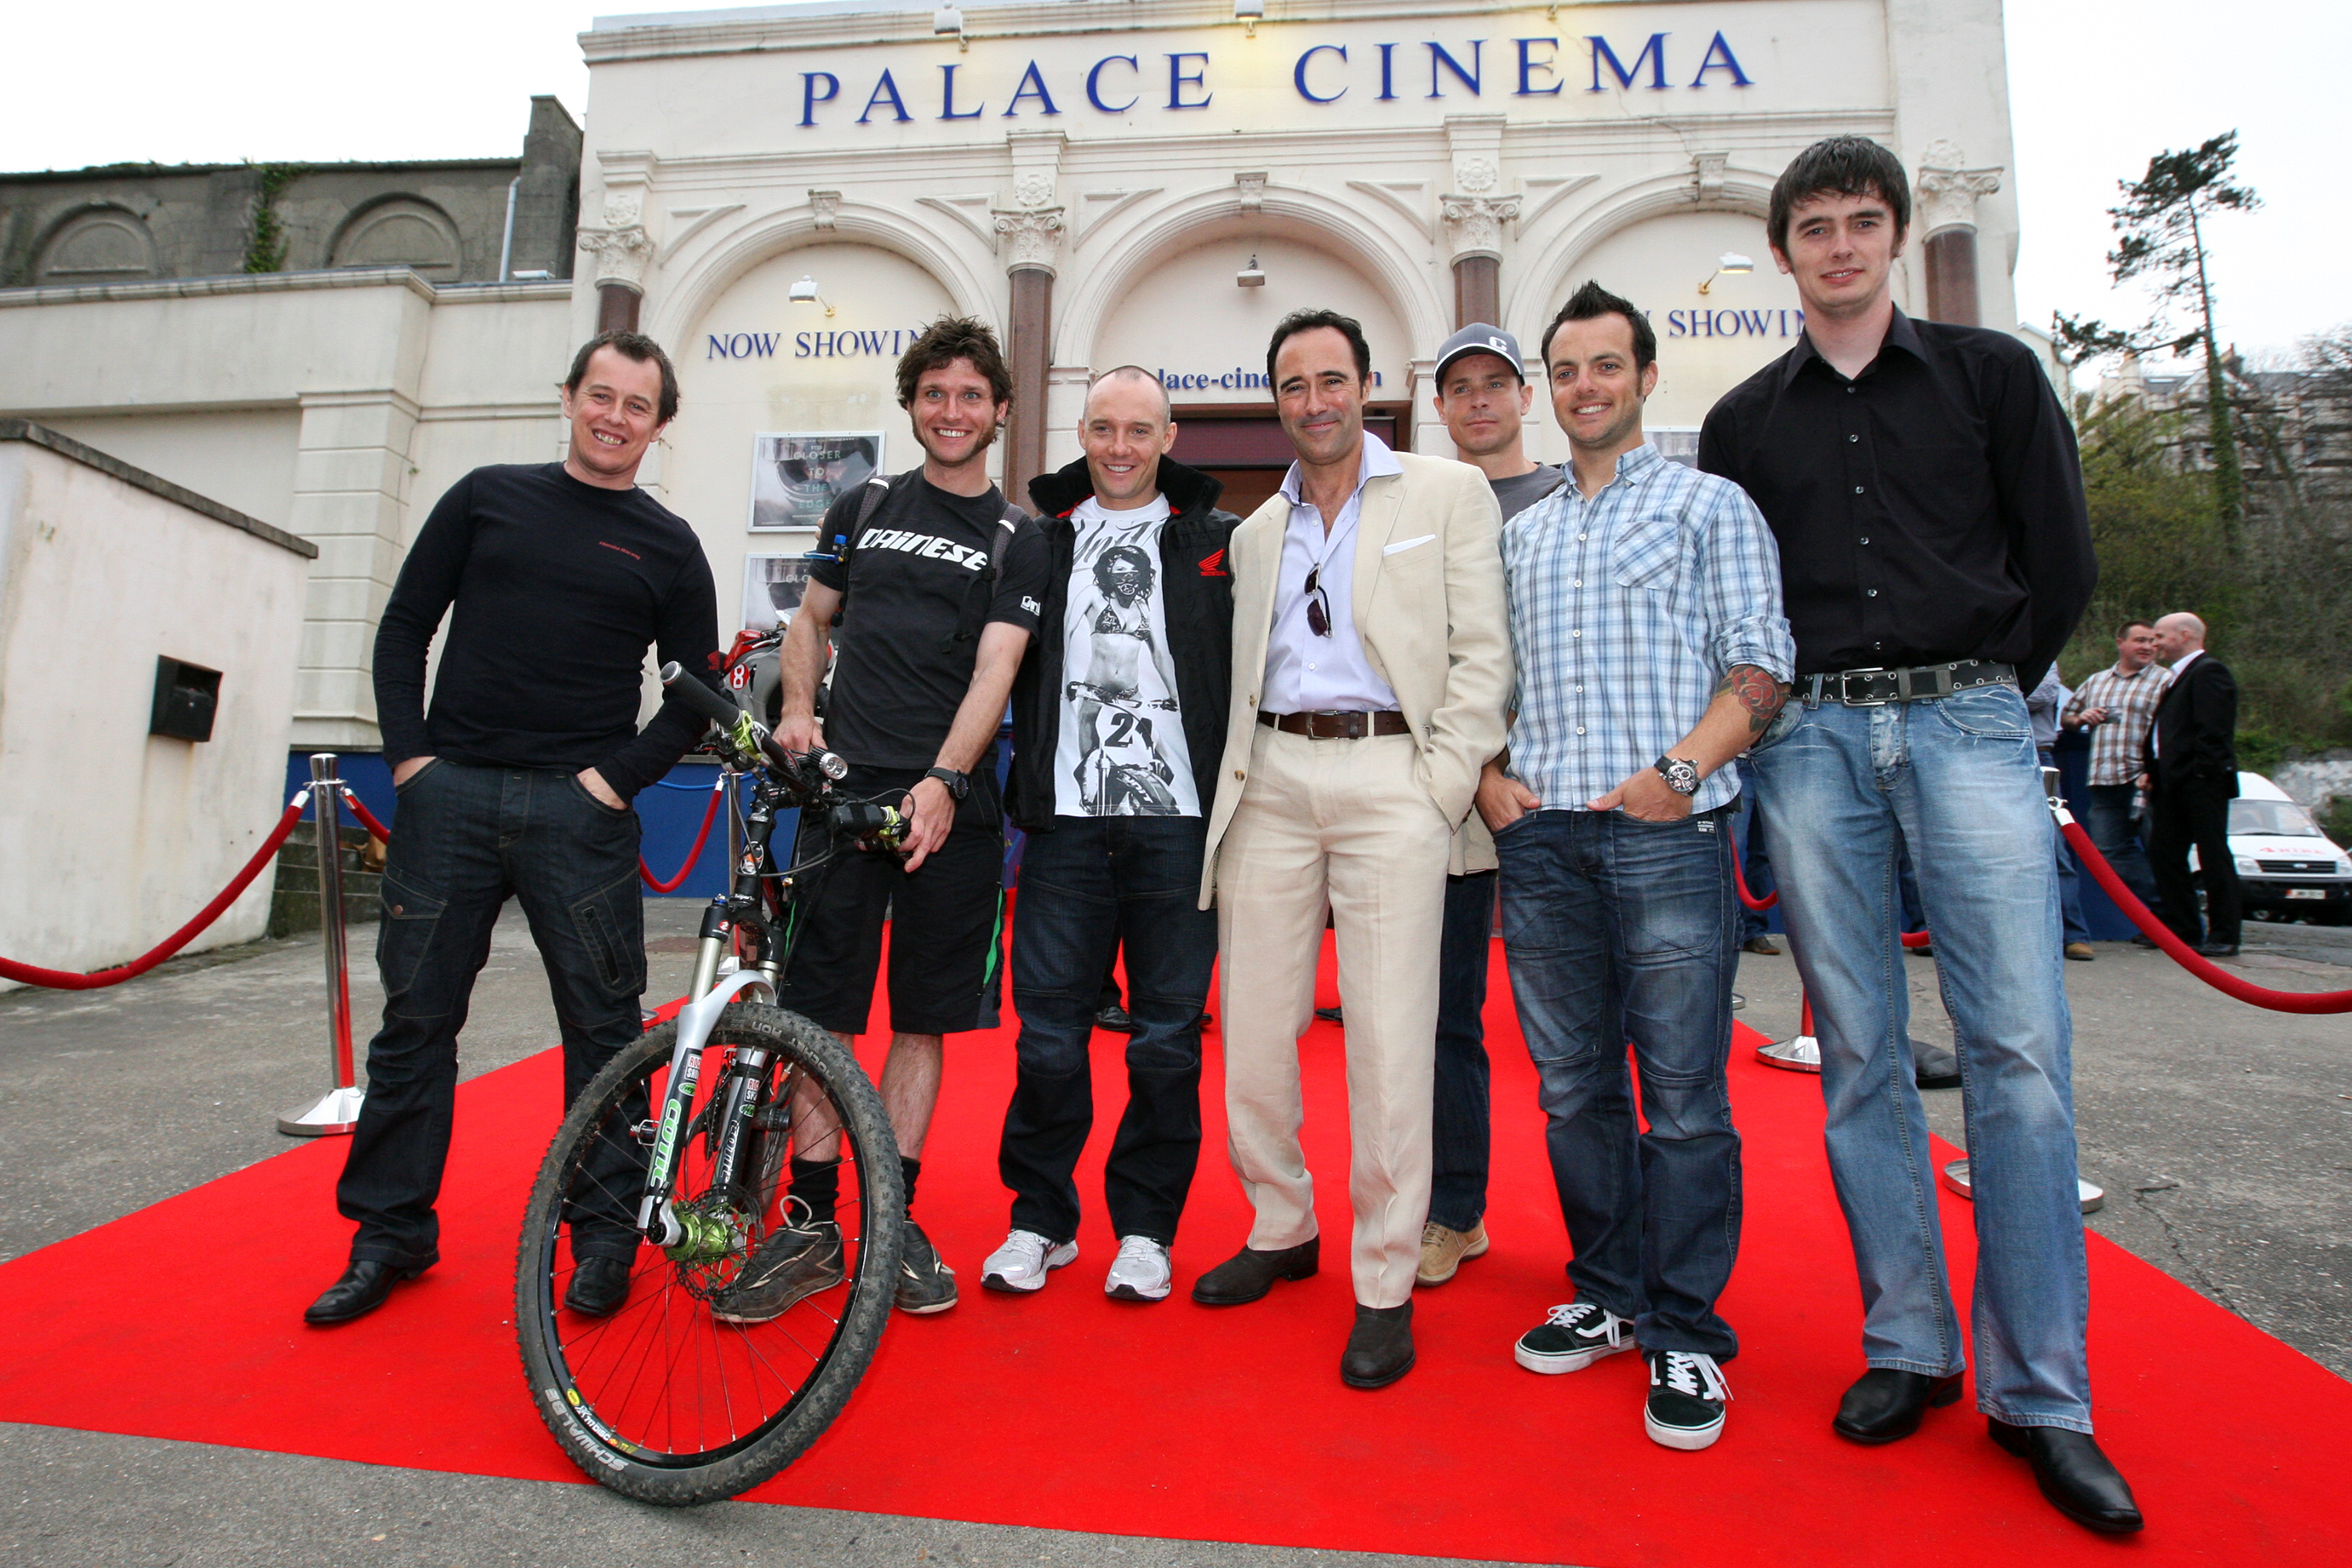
column 1431, row 612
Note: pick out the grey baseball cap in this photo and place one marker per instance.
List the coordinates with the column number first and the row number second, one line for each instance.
column 1478, row 338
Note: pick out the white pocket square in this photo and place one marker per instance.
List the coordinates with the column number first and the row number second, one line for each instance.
column 1408, row 544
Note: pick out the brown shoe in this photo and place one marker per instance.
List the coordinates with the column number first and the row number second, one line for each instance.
column 1763, row 945
column 2079, row 952
column 1444, row 1250
column 1249, row 1274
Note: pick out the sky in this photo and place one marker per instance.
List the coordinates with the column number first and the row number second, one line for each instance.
column 2097, row 87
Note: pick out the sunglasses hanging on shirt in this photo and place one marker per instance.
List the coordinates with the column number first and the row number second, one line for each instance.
column 1319, row 603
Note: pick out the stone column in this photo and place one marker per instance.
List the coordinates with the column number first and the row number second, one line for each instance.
column 622, row 250
column 1474, row 214
column 1946, row 224
column 351, row 470
column 1030, row 232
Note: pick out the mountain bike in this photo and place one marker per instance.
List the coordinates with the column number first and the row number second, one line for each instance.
column 698, row 1386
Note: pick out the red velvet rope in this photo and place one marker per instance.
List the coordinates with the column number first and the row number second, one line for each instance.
column 63, row 979
column 709, row 815
column 2180, row 952
column 1739, row 882
column 366, row 817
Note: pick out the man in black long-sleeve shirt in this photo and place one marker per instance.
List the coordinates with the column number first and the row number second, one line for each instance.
column 1934, row 555
column 556, row 577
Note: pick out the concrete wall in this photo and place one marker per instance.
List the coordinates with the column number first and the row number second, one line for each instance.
column 112, row 837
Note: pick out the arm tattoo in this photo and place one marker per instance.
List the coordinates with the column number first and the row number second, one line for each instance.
column 1757, row 692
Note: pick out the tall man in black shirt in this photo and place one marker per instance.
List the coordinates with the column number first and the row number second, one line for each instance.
column 1935, row 554
column 937, row 599
column 556, row 576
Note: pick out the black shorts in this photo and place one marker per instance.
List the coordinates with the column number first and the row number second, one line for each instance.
column 947, row 922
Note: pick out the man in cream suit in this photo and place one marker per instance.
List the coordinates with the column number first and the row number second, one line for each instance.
column 1371, row 662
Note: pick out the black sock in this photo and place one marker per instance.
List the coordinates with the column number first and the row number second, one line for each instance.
column 909, row 1167
column 817, row 1182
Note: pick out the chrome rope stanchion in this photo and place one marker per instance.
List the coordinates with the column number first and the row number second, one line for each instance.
column 1800, row 1052
column 338, row 1111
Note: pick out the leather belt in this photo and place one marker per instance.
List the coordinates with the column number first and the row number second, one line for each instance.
column 1337, row 726
column 1917, row 683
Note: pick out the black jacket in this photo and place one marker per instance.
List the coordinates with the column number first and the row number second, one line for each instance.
column 2195, row 732
column 1197, row 586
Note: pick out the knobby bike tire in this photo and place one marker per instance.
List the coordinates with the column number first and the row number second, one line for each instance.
column 584, row 1424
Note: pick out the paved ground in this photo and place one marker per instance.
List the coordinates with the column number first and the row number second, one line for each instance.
column 2223, row 1135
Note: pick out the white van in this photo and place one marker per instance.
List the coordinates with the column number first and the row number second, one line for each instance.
column 2287, row 868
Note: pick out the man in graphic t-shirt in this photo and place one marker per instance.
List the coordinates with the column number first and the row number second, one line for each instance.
column 1484, row 397
column 936, row 604
column 1118, row 709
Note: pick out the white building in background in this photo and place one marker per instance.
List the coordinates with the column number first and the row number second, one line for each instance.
column 1095, row 177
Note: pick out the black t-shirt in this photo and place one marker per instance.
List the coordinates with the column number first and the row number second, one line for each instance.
column 557, row 587
column 895, row 691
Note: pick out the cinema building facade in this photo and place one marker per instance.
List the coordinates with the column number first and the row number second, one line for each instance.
column 783, row 195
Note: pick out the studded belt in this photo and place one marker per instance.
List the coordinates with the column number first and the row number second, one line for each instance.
column 1917, row 683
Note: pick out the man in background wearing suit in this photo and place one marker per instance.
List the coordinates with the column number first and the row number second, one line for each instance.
column 1370, row 667
column 2192, row 761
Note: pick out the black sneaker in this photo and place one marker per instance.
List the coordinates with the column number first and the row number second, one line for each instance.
column 926, row 1284
column 1687, row 1394
column 792, row 1265
column 1573, row 1337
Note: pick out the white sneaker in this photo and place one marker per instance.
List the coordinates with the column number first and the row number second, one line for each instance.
column 1140, row 1272
column 1023, row 1261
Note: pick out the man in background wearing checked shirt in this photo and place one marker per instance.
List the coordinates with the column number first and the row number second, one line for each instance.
column 2116, row 706
column 1645, row 613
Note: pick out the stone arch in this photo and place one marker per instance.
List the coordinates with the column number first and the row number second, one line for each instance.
column 1543, row 272
column 99, row 243
column 765, row 238
column 1296, row 214
column 401, row 231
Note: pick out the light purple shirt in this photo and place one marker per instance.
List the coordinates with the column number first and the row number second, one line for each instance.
column 1306, row 673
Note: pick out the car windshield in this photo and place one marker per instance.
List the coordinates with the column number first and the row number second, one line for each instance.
column 2271, row 819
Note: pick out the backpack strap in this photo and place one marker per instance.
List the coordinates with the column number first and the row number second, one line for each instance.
column 983, row 590
column 846, row 544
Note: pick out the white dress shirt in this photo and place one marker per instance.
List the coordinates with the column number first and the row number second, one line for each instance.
column 1310, row 674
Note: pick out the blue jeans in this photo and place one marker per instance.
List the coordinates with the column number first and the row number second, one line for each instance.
column 1619, row 930
column 1958, row 781
column 1461, row 1139
column 471, row 838
column 1091, row 886
column 2107, row 819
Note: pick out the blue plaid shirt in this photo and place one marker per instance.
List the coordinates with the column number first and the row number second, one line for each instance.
column 1626, row 610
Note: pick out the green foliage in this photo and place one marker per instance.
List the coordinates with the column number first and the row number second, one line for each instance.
column 2336, row 821
column 2158, row 533
column 265, row 248
column 2260, row 751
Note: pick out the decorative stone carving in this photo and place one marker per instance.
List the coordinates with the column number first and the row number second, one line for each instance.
column 1948, row 191
column 1474, row 224
column 1033, row 189
column 1032, row 236
column 827, row 205
column 1251, row 190
column 621, row 245
column 1475, row 176
column 1707, row 173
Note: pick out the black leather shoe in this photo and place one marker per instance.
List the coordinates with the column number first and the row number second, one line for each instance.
column 1250, row 1274
column 1117, row 1019
column 1887, row 1403
column 2141, row 939
column 1380, row 1347
column 2217, row 949
column 360, row 1291
column 1331, row 1016
column 2079, row 1481
column 599, row 1285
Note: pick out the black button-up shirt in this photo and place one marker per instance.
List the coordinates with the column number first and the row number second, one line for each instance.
column 1928, row 509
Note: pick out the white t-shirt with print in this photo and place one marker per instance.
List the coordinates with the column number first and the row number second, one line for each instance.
column 1121, row 748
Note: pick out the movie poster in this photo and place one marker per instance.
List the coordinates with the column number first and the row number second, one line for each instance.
column 795, row 477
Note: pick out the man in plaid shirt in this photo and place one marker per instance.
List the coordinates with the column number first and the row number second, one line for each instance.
column 2116, row 706
column 1651, row 647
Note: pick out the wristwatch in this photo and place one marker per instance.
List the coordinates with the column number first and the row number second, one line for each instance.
column 959, row 785
column 1681, row 777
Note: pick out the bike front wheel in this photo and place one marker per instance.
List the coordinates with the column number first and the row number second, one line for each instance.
column 735, row 1347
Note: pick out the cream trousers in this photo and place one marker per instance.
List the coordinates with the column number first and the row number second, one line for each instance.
column 1340, row 824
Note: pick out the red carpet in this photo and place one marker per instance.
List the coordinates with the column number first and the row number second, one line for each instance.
column 1070, row 1411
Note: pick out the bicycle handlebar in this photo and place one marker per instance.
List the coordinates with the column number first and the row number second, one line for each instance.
column 747, row 734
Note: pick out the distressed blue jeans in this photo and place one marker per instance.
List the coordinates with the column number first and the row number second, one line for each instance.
column 1958, row 781
column 1618, row 930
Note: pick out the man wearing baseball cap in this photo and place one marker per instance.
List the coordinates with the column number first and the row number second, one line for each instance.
column 1483, row 397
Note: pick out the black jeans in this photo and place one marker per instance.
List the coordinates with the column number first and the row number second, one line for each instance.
column 2198, row 814
column 1462, row 1128
column 2107, row 814
column 468, row 839
column 1092, row 884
